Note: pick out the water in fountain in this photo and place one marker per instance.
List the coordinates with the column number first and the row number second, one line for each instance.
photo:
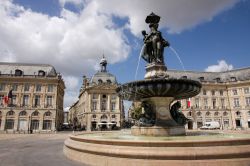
column 138, row 64
column 177, row 55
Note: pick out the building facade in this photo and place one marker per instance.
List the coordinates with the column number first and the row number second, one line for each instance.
column 224, row 97
column 98, row 107
column 36, row 102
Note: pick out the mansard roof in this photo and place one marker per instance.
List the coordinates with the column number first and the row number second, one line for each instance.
column 27, row 69
column 242, row 74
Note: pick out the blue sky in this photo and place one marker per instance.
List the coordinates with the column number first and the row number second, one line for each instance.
column 212, row 35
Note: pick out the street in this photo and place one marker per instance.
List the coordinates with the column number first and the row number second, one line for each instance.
column 34, row 150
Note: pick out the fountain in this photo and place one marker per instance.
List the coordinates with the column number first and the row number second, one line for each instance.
column 159, row 138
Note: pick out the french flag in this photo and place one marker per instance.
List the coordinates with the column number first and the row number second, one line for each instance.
column 7, row 98
column 189, row 103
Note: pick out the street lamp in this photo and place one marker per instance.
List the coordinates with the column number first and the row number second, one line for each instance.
column 29, row 125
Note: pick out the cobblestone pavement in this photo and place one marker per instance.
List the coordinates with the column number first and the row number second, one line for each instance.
column 34, row 150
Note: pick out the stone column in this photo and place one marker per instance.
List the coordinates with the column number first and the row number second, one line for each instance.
column 108, row 103
column 3, row 121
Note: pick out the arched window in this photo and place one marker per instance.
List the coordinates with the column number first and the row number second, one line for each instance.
column 238, row 113
column 41, row 73
column 199, row 113
column 36, row 113
column 23, row 113
column 94, row 116
column 248, row 113
column 225, row 113
column 104, row 117
column 207, row 113
column 47, row 113
column 18, row 72
column 216, row 113
column 10, row 113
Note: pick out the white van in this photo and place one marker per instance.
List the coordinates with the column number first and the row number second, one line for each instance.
column 211, row 125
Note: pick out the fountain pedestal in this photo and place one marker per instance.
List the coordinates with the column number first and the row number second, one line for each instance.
column 165, row 125
column 154, row 70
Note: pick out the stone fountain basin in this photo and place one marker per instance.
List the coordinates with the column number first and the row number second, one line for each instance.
column 119, row 148
column 160, row 87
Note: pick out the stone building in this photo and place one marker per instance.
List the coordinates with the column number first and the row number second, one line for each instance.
column 224, row 97
column 37, row 97
column 98, row 107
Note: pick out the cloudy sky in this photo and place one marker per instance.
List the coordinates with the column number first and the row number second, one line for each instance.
column 72, row 35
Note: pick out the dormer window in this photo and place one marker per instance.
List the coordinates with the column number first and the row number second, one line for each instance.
column 201, row 78
column 184, row 77
column 218, row 79
column 99, row 81
column 41, row 73
column 233, row 79
column 18, row 72
column 109, row 81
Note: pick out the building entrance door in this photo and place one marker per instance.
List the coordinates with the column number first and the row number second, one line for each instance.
column 237, row 121
column 190, row 125
column 22, row 125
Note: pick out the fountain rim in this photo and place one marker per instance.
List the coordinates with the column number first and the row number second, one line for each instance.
column 162, row 143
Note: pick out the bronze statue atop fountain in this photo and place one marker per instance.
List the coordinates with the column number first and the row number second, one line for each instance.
column 154, row 43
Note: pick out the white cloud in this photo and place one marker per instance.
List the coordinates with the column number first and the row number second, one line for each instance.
column 75, row 41
column 176, row 16
column 75, row 2
column 221, row 66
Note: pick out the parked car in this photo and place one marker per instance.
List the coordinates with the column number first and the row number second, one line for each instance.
column 211, row 125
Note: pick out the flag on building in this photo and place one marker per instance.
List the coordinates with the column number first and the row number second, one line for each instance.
column 189, row 103
column 8, row 98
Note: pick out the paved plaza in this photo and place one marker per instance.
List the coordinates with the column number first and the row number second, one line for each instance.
column 34, row 150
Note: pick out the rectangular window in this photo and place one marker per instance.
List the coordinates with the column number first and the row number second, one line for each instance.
column 25, row 100
column 197, row 103
column 49, row 100
column 112, row 105
column 26, row 87
column 246, row 90
column 103, row 105
column 2, row 87
column 37, row 100
column 1, row 100
column 236, row 102
column 94, row 105
column 221, row 92
column 14, row 99
column 14, row 87
column 247, row 101
column 235, row 92
column 113, row 97
column 94, row 96
column 50, row 88
column 213, row 92
column 214, row 103
column 204, row 92
column 38, row 87
column 222, row 101
column 205, row 103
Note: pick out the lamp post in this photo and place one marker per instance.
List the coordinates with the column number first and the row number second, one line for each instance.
column 29, row 125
